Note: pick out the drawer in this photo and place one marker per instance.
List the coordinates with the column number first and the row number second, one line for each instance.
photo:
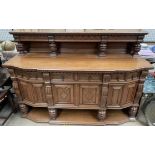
column 62, row 76
column 90, row 77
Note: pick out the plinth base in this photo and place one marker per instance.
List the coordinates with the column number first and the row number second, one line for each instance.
column 77, row 117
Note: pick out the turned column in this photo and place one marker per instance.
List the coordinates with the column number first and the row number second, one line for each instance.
column 133, row 111
column 52, row 113
column 101, row 114
column 137, row 47
column 24, row 109
column 103, row 46
column 22, row 48
column 52, row 46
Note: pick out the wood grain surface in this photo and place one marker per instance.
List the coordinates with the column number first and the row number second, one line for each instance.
column 80, row 62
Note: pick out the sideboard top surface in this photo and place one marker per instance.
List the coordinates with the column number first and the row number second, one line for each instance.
column 77, row 62
column 82, row 31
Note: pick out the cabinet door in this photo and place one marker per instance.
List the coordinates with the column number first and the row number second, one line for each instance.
column 115, row 93
column 120, row 95
column 89, row 94
column 63, row 94
column 33, row 93
column 129, row 93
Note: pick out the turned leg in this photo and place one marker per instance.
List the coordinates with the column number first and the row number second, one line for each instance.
column 52, row 113
column 101, row 115
column 24, row 109
column 133, row 112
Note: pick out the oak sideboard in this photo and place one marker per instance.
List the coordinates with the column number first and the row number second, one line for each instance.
column 93, row 69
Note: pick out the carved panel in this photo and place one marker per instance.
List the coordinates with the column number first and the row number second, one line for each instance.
column 123, row 38
column 128, row 76
column 63, row 94
column 92, row 77
column 78, row 37
column 62, row 76
column 129, row 93
column 39, row 93
column 89, row 94
column 121, row 76
column 34, row 93
column 115, row 94
column 114, row 77
column 27, row 91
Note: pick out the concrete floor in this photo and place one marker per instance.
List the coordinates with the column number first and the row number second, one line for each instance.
column 16, row 120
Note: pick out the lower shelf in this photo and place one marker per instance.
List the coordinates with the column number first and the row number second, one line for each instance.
column 77, row 117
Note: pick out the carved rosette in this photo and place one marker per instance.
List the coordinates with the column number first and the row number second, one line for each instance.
column 52, row 113
column 101, row 115
column 24, row 109
column 52, row 45
column 133, row 111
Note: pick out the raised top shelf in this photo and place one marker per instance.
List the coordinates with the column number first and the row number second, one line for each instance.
column 79, row 31
column 99, row 41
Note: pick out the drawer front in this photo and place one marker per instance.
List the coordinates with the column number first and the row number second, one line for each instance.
column 90, row 77
column 67, row 77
